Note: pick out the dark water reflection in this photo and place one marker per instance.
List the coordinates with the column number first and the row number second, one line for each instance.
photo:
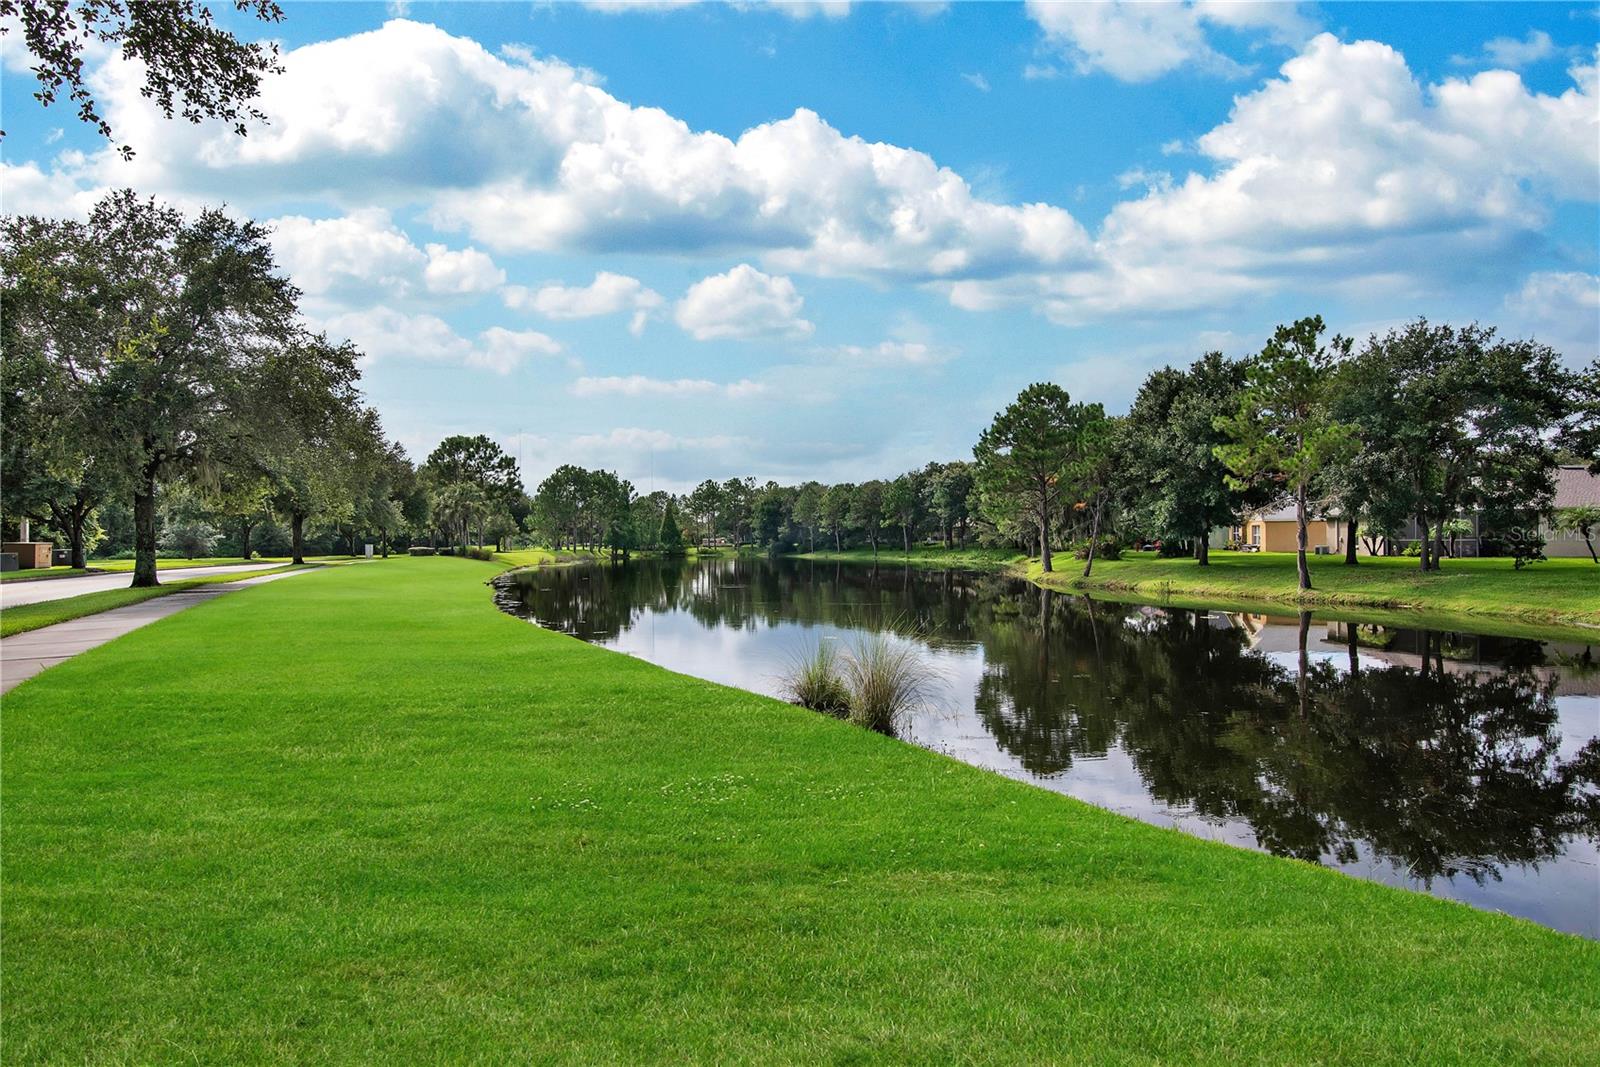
column 1464, row 765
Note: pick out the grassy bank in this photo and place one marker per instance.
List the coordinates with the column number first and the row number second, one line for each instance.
column 926, row 556
column 364, row 816
column 1562, row 593
column 1559, row 596
column 25, row 617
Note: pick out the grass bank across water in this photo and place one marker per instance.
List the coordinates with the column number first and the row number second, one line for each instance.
column 1560, row 597
column 363, row 815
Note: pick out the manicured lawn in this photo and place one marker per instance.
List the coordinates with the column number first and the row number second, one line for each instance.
column 1560, row 591
column 25, row 617
column 31, row 573
column 118, row 566
column 363, row 816
column 542, row 557
column 928, row 556
column 1559, row 595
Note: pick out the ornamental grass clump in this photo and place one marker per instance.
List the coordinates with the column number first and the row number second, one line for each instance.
column 814, row 681
column 886, row 682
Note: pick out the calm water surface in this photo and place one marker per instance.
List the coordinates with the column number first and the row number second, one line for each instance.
column 1462, row 765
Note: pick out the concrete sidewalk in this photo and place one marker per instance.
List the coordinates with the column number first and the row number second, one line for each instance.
column 24, row 655
column 16, row 594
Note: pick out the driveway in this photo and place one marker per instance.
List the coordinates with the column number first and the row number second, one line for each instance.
column 15, row 594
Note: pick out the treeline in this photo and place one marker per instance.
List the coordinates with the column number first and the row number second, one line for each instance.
column 1416, row 428
column 160, row 393
column 580, row 508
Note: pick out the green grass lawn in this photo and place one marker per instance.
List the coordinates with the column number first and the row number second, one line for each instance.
column 24, row 617
column 1558, row 591
column 543, row 557
column 363, row 816
column 1557, row 596
column 927, row 556
column 31, row 573
column 125, row 566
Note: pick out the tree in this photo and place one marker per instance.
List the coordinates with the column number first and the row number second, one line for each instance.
column 837, row 502
column 1091, row 468
column 1581, row 435
column 808, row 511
column 53, row 471
column 191, row 66
column 1021, row 457
column 313, row 450
column 906, row 500
column 173, row 320
column 950, row 497
column 480, row 462
column 733, row 516
column 1283, row 432
column 703, row 506
column 243, row 495
column 670, row 539
column 1172, row 481
column 1452, row 419
column 866, row 512
column 770, row 514
column 1580, row 520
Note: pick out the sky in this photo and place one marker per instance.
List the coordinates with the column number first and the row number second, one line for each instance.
column 830, row 240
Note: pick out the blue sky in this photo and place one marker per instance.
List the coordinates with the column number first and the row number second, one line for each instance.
column 830, row 240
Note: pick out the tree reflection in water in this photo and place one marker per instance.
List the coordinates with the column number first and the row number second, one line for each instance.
column 1440, row 752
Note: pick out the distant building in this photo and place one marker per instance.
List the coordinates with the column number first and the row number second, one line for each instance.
column 1575, row 487
column 1273, row 529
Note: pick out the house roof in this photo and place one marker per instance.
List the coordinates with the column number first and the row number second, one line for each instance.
column 1284, row 512
column 1575, row 487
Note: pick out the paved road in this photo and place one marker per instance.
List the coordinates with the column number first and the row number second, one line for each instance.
column 15, row 594
column 24, row 655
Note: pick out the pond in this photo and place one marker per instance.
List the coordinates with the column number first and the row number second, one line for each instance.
column 1462, row 765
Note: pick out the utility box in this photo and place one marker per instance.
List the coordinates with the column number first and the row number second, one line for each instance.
column 8, row 561
column 30, row 554
column 369, row 551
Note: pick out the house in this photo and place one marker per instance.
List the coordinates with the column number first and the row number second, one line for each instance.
column 1275, row 529
column 1575, row 487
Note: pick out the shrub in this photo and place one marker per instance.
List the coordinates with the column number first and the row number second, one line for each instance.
column 1110, row 548
column 484, row 554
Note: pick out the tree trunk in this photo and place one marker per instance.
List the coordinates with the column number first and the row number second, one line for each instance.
column 75, row 553
column 1300, row 536
column 144, row 531
column 1422, row 538
column 384, row 535
column 1094, row 536
column 836, row 547
column 244, row 537
column 1202, row 552
column 1044, row 536
column 1303, row 675
column 905, row 531
column 297, row 537
column 1350, row 541
column 1588, row 543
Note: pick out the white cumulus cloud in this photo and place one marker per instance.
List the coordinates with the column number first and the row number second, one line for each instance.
column 638, row 385
column 608, row 294
column 1137, row 42
column 382, row 333
column 527, row 154
column 742, row 304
